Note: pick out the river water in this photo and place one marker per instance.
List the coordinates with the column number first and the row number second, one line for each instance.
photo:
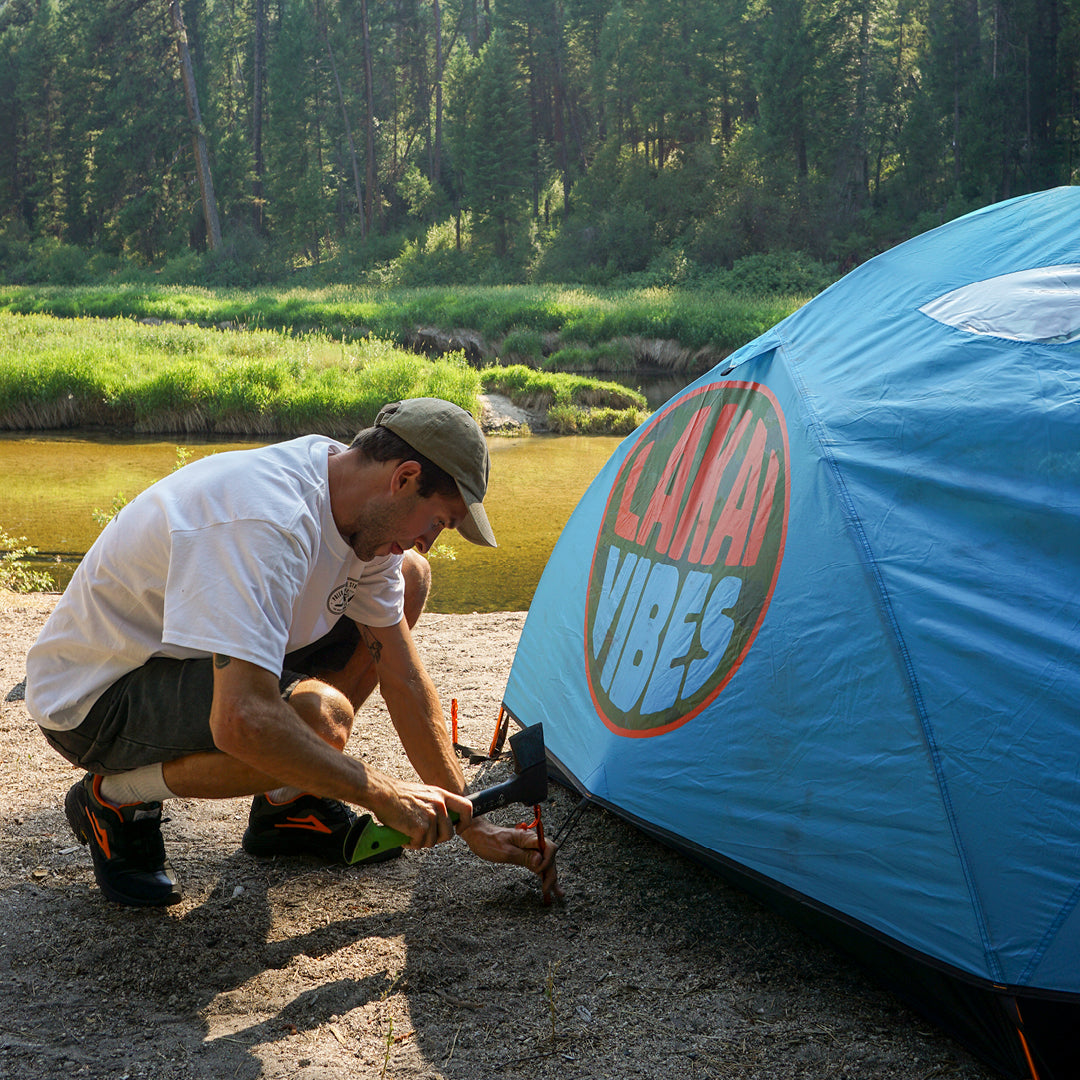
column 51, row 486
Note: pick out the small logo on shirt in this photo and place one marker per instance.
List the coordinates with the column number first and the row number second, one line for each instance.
column 339, row 599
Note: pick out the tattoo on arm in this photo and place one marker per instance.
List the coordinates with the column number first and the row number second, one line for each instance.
column 374, row 646
column 221, row 661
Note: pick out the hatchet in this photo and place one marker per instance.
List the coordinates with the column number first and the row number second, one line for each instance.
column 529, row 785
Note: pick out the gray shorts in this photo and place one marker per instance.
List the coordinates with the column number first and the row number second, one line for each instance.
column 161, row 711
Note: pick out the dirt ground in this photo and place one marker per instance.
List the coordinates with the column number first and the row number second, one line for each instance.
column 434, row 965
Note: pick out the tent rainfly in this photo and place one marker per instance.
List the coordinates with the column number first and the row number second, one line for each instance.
column 817, row 624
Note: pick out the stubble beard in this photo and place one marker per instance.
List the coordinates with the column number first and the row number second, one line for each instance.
column 372, row 528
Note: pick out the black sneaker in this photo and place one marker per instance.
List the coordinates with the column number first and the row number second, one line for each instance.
column 125, row 843
column 307, row 825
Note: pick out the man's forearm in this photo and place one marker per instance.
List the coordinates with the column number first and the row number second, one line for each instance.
column 264, row 735
column 413, row 704
column 418, row 719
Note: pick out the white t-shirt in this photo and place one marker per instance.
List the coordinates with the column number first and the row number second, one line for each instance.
column 235, row 554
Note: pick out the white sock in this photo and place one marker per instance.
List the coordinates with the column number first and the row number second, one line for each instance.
column 282, row 795
column 142, row 785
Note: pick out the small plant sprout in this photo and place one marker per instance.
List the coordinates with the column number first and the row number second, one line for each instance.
column 103, row 517
column 120, row 500
column 389, row 1046
column 549, row 993
column 14, row 573
column 443, row 551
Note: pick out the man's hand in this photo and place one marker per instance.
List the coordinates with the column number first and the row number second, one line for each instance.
column 519, row 846
column 422, row 813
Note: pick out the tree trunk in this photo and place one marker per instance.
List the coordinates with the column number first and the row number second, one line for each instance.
column 259, row 63
column 560, row 108
column 369, row 98
column 534, row 117
column 202, row 157
column 855, row 178
column 436, row 165
column 345, row 119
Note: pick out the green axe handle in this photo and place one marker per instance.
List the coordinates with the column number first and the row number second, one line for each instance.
column 367, row 837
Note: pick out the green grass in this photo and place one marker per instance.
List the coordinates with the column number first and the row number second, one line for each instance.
column 282, row 361
column 515, row 315
column 172, row 378
column 573, row 404
column 543, row 389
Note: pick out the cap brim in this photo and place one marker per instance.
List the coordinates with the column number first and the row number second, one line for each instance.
column 475, row 527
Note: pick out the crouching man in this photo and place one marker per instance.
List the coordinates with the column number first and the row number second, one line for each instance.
column 219, row 636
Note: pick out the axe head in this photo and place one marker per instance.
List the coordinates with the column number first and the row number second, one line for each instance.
column 530, row 764
column 529, row 785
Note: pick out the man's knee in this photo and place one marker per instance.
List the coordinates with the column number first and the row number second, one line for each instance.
column 325, row 709
column 417, row 574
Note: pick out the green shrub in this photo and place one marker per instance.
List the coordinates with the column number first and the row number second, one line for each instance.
column 435, row 259
column 14, row 573
column 524, row 344
column 57, row 263
column 778, row 272
column 183, row 269
column 572, row 358
column 14, row 256
column 575, row 420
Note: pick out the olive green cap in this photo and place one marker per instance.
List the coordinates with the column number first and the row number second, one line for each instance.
column 449, row 437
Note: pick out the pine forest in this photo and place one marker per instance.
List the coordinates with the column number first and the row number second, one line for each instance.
column 500, row 141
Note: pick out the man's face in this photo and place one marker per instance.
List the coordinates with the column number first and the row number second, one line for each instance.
column 393, row 523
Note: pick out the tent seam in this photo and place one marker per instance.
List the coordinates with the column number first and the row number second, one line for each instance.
column 870, row 562
column 1040, row 951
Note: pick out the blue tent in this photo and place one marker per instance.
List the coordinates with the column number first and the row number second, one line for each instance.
column 817, row 623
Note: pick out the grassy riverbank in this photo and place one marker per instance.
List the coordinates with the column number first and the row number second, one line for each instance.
column 555, row 327
column 186, row 379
